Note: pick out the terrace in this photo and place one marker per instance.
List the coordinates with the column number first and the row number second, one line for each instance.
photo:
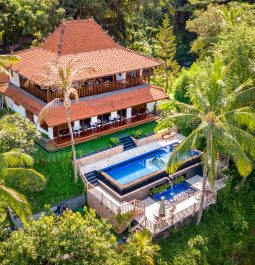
column 108, row 200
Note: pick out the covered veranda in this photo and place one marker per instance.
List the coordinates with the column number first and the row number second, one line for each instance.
column 87, row 132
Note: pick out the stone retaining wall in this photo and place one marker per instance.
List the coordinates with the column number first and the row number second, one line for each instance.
column 100, row 155
column 147, row 139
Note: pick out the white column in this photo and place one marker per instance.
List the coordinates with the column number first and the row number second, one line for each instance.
column 114, row 115
column 77, row 125
column 14, row 79
column 129, row 113
column 93, row 119
column 151, row 106
column 22, row 111
column 35, row 119
column 50, row 132
column 121, row 76
column 141, row 72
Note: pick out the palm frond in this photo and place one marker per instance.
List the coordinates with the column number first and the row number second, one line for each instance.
column 183, row 120
column 245, row 139
column 15, row 158
column 43, row 113
column 233, row 149
column 73, row 92
column 180, row 152
column 16, row 201
column 7, row 60
column 241, row 99
column 25, row 178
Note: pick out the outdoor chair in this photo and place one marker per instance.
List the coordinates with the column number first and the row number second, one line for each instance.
column 157, row 218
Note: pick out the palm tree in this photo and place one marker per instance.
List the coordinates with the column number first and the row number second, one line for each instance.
column 14, row 168
column 63, row 81
column 7, row 60
column 220, row 119
column 145, row 250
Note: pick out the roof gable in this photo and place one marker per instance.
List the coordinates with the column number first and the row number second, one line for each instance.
column 78, row 36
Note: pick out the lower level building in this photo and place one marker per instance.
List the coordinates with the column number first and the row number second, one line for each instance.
column 93, row 116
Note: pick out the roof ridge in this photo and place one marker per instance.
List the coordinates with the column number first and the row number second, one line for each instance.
column 61, row 37
column 140, row 53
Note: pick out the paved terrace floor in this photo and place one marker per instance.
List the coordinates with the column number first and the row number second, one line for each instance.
column 101, row 164
column 152, row 207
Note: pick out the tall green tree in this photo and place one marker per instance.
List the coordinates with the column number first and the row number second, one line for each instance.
column 219, row 119
column 166, row 49
column 70, row 238
column 15, row 170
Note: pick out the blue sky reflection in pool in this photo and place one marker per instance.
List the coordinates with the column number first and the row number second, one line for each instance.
column 142, row 165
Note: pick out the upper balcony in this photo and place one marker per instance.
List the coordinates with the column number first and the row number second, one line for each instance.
column 89, row 87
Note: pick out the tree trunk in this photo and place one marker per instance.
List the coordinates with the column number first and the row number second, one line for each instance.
column 72, row 143
column 201, row 208
column 166, row 68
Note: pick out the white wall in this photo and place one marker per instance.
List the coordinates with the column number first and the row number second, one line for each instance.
column 77, row 125
column 35, row 119
column 141, row 72
column 121, row 76
column 129, row 113
column 16, row 108
column 151, row 106
column 93, row 119
column 114, row 115
column 14, row 79
column 50, row 132
column 9, row 102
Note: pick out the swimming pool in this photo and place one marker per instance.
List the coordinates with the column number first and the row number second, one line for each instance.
column 140, row 166
column 181, row 189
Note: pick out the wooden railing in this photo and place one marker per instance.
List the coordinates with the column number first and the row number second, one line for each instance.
column 136, row 206
column 86, row 90
column 157, row 227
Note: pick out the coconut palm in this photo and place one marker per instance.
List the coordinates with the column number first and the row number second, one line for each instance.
column 63, row 78
column 7, row 60
column 222, row 119
column 145, row 250
column 15, row 169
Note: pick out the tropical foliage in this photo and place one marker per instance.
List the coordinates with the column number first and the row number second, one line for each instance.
column 73, row 238
column 220, row 117
column 16, row 132
column 15, row 170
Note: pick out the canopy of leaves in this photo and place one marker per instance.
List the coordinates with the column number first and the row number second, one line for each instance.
column 17, row 132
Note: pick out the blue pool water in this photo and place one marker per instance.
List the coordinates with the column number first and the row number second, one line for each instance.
column 177, row 189
column 142, row 165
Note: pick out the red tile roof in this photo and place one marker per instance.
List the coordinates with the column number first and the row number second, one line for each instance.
column 4, row 78
column 105, row 104
column 87, row 41
column 73, row 37
column 22, row 98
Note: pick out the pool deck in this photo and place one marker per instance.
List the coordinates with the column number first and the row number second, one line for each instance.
column 101, row 164
column 152, row 206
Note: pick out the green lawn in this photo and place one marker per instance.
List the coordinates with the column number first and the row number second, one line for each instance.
column 58, row 169
column 91, row 146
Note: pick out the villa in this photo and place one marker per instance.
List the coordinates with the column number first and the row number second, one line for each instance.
column 115, row 90
column 129, row 179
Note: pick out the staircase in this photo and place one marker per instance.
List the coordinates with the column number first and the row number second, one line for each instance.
column 91, row 177
column 127, row 142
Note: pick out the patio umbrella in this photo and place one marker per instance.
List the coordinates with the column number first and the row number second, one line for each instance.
column 162, row 207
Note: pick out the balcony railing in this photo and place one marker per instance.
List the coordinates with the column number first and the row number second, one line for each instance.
column 88, row 90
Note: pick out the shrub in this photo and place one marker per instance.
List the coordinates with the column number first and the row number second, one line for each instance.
column 114, row 141
column 138, row 134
